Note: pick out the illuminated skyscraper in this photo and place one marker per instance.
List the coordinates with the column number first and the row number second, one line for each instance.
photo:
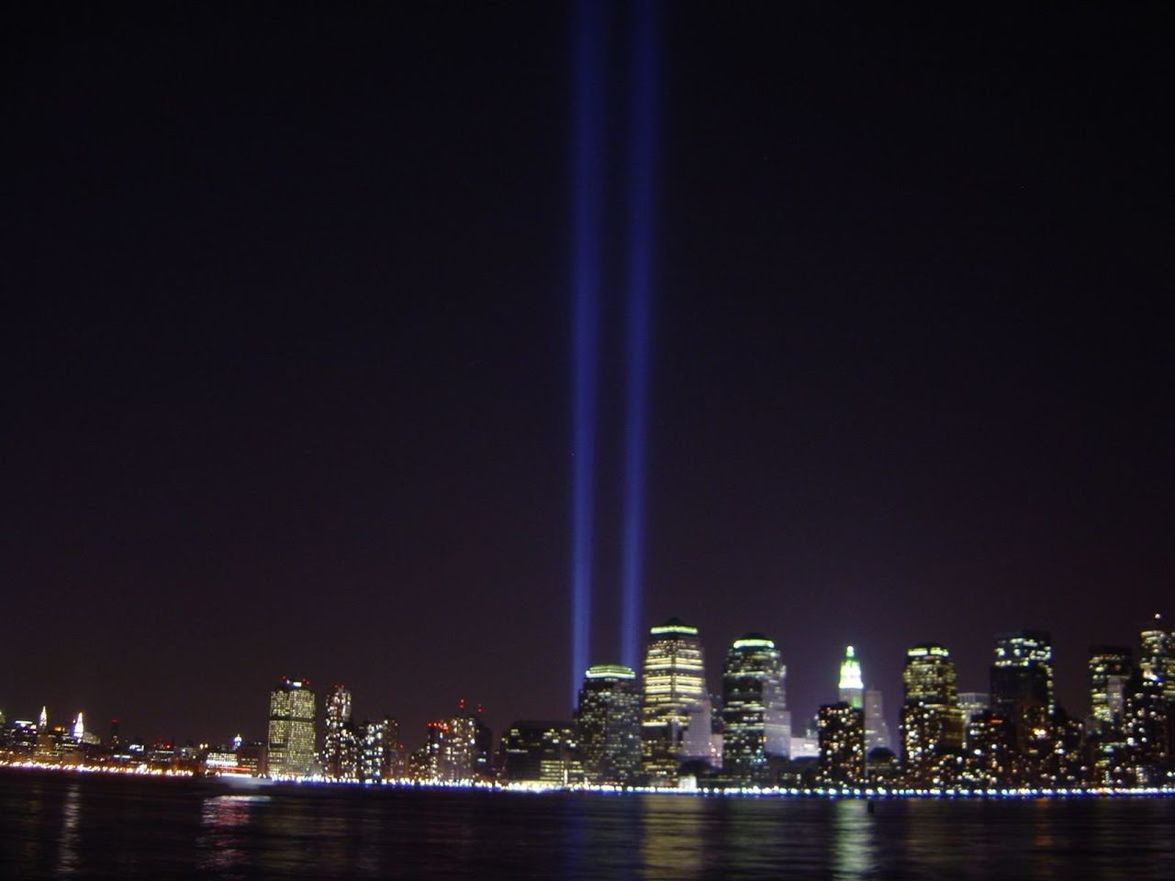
column 842, row 744
column 1110, row 668
column 756, row 724
column 608, row 724
column 291, row 729
column 1023, row 672
column 674, row 688
column 340, row 747
column 876, row 726
column 1022, row 694
column 932, row 722
column 851, row 688
column 1156, row 657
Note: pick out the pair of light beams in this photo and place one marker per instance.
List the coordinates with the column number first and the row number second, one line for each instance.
column 591, row 26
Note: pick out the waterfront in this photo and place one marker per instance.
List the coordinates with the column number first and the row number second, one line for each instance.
column 56, row 825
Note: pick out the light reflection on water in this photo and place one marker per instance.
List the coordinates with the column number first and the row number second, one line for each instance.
column 67, row 844
column 51, row 828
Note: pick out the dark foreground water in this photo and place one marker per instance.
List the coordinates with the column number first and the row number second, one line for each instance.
column 55, row 826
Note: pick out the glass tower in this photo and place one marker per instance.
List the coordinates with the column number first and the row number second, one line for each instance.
column 932, row 721
column 674, row 690
column 754, row 710
column 608, row 724
column 291, row 729
column 1110, row 667
column 1023, row 672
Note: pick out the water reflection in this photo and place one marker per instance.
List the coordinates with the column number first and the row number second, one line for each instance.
column 672, row 840
column 852, row 839
column 224, row 820
column 67, row 841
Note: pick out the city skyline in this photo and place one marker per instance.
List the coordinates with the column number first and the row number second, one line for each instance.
column 290, row 350
column 337, row 703
column 655, row 729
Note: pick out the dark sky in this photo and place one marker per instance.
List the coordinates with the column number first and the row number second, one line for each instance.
column 286, row 348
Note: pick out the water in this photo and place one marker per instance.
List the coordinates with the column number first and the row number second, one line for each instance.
column 57, row 826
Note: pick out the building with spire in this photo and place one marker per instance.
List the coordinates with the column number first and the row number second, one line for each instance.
column 851, row 688
column 673, row 690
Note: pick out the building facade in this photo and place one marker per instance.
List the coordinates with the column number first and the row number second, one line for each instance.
column 291, row 730
column 756, row 725
column 931, row 721
column 673, row 691
column 841, row 728
column 608, row 725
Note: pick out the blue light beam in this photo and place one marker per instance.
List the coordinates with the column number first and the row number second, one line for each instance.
column 587, row 184
column 642, row 143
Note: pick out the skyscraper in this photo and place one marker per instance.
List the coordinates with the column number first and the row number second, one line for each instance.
column 851, row 688
column 1023, row 672
column 379, row 744
column 1022, row 694
column 291, row 729
column 608, row 723
column 754, row 712
column 674, row 688
column 1156, row 657
column 1110, row 667
column 932, row 722
column 340, row 747
column 841, row 729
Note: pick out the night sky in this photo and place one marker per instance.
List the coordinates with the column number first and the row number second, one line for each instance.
column 286, row 348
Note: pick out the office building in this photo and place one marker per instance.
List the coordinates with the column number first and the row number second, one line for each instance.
column 756, row 725
column 841, row 734
column 608, row 725
column 1022, row 674
column 1110, row 669
column 540, row 752
column 291, row 729
column 931, row 720
column 674, row 687
column 340, row 747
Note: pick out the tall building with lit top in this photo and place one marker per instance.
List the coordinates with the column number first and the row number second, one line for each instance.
column 932, row 721
column 756, row 724
column 291, row 729
column 340, row 746
column 1110, row 668
column 608, row 724
column 1022, row 694
column 673, row 688
column 841, row 733
column 851, row 688
column 1023, row 672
